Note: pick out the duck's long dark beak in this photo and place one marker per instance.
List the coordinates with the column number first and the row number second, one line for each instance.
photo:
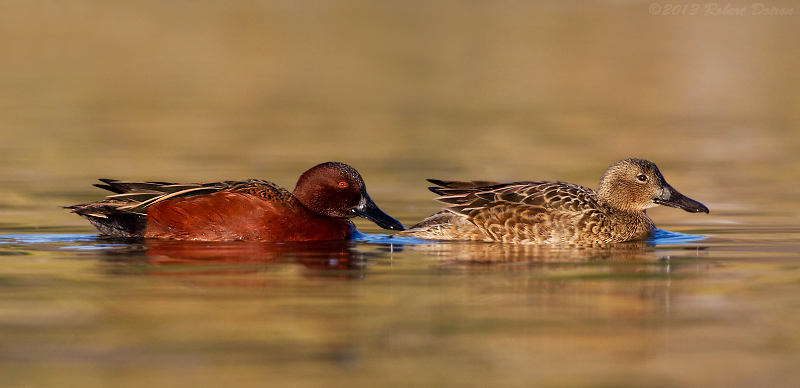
column 673, row 198
column 370, row 211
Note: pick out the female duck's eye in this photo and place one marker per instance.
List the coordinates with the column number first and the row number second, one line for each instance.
column 642, row 178
column 342, row 184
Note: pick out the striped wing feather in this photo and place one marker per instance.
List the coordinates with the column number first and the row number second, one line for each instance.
column 124, row 214
column 136, row 197
column 465, row 197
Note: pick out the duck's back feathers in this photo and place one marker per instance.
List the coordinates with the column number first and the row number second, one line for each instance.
column 526, row 212
column 124, row 214
column 464, row 197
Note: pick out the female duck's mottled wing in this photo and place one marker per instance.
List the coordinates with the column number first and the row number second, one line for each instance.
column 518, row 212
column 465, row 197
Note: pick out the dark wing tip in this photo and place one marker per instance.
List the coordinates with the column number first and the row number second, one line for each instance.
column 442, row 185
column 437, row 190
column 110, row 185
column 464, row 184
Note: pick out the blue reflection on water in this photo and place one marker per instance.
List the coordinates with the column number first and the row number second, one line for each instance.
column 46, row 238
column 660, row 237
column 666, row 237
column 389, row 239
column 95, row 241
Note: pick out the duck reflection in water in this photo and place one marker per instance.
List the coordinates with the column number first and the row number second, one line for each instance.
column 157, row 257
column 526, row 264
column 499, row 253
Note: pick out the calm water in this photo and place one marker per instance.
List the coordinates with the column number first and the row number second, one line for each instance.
column 206, row 91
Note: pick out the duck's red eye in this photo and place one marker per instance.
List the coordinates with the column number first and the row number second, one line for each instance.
column 342, row 184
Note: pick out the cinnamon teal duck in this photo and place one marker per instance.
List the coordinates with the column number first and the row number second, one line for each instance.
column 554, row 212
column 319, row 208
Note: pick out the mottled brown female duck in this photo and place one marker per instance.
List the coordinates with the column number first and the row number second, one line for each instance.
column 554, row 212
column 319, row 208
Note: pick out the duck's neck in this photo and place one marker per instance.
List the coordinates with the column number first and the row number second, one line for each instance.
column 632, row 225
column 628, row 224
column 614, row 202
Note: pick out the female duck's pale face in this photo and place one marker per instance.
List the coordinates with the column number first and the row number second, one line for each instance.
column 636, row 185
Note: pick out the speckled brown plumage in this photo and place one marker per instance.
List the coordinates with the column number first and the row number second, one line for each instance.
column 554, row 212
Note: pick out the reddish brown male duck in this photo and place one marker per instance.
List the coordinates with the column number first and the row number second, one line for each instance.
column 554, row 212
column 325, row 198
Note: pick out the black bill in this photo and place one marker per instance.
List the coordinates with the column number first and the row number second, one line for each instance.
column 370, row 211
column 673, row 198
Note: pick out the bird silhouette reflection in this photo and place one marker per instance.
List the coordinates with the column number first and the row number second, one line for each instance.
column 340, row 259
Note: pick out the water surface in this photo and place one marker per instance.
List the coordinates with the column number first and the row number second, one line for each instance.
column 399, row 310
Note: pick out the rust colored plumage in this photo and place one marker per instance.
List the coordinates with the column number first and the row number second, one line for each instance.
column 246, row 213
column 325, row 198
column 554, row 212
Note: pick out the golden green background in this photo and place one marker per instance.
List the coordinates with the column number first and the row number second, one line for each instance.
column 402, row 91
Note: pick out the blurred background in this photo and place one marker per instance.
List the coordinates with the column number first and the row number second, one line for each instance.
column 201, row 90
column 401, row 90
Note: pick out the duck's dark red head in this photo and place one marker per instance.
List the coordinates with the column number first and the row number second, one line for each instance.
column 337, row 190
